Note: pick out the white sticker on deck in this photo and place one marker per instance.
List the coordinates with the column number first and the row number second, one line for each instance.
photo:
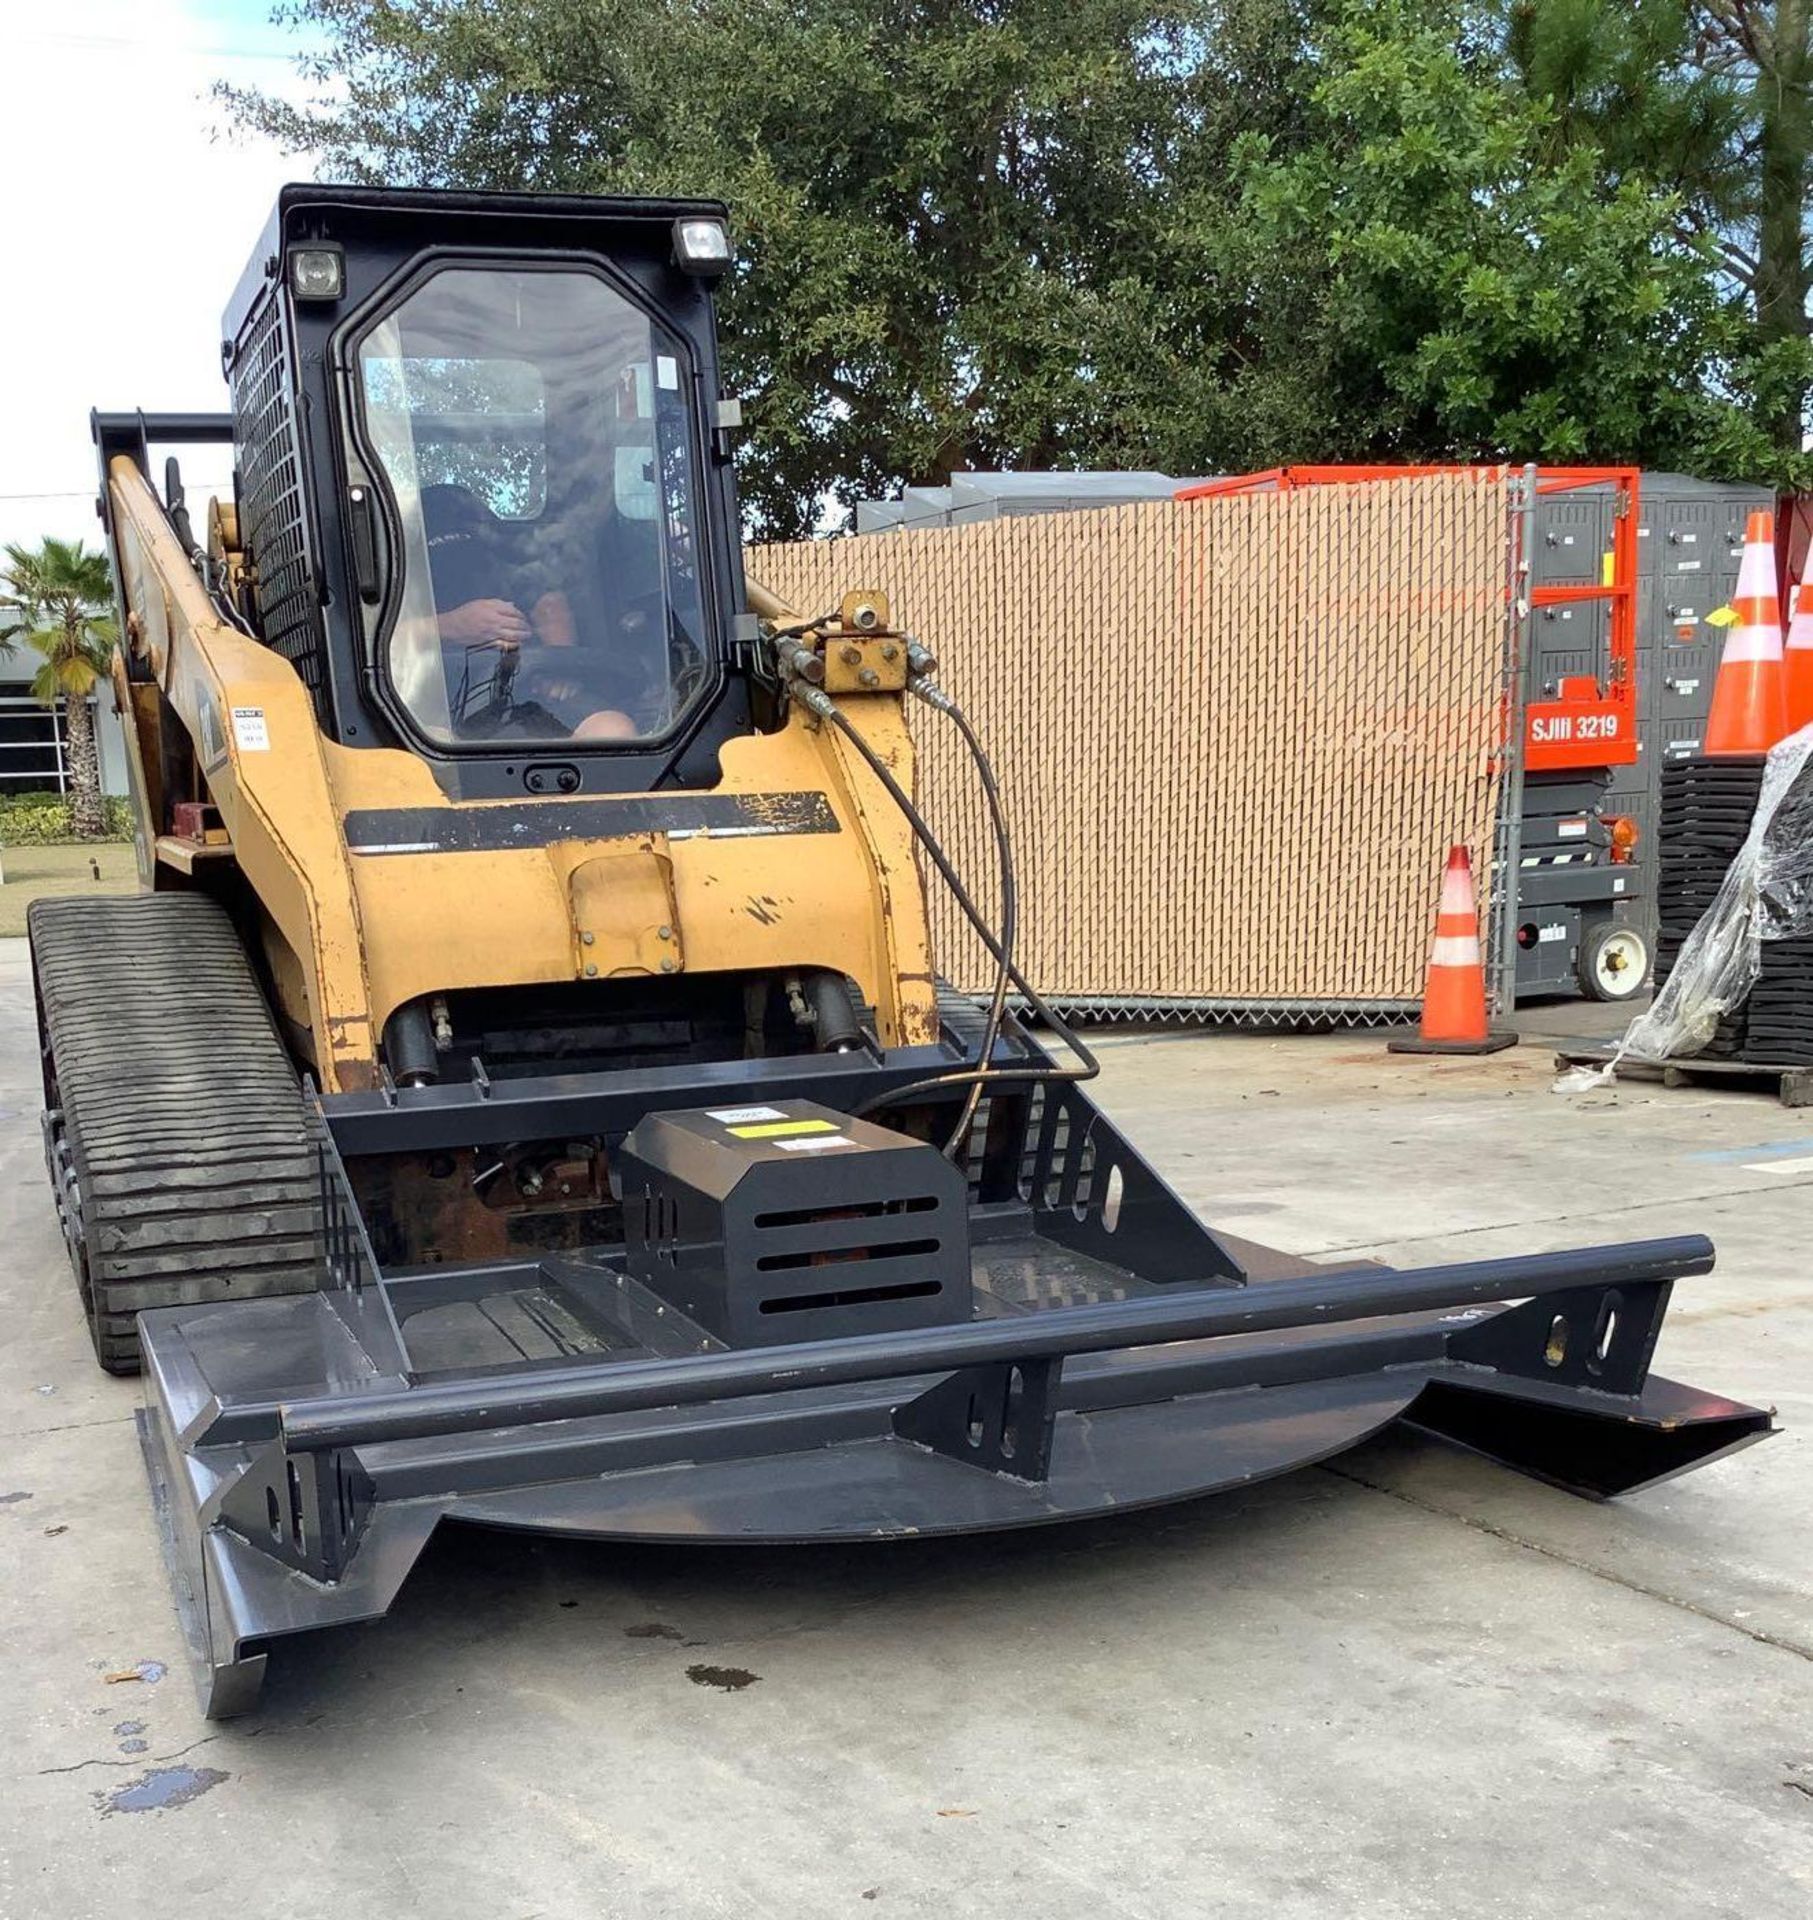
column 815, row 1144
column 738, row 1116
column 250, row 733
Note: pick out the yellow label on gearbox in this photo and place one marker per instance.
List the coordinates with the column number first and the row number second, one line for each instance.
column 784, row 1129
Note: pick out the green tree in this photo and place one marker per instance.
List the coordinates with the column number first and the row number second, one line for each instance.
column 58, row 599
column 1625, row 77
column 1479, row 287
column 1206, row 358
column 1771, row 47
column 1199, row 235
column 957, row 219
column 1713, row 99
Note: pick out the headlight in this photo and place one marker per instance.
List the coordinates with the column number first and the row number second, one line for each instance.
column 701, row 247
column 317, row 273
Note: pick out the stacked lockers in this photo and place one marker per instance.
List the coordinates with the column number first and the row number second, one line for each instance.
column 1571, row 536
column 1566, row 878
column 1690, row 541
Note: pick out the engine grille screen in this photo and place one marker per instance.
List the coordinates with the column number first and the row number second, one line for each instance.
column 271, row 500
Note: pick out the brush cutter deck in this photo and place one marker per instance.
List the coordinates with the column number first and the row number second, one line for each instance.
column 305, row 1448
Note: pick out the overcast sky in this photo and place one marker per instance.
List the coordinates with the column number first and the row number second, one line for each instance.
column 128, row 216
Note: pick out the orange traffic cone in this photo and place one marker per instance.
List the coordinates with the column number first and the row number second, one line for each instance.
column 1799, row 653
column 1750, row 698
column 1454, row 1000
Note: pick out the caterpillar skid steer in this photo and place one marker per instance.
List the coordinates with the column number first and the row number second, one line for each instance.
column 522, row 1094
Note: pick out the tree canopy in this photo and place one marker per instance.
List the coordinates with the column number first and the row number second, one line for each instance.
column 1198, row 235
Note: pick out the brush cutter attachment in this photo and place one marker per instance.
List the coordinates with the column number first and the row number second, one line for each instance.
column 705, row 1213
column 812, row 1332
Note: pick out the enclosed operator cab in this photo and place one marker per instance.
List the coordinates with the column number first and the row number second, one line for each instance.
column 483, row 484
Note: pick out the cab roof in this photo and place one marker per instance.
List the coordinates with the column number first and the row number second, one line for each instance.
column 444, row 215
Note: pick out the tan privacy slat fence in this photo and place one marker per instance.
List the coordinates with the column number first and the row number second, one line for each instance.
column 1236, row 736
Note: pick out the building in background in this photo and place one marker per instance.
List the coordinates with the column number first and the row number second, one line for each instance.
column 34, row 756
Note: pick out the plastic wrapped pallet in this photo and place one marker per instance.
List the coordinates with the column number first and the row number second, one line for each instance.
column 1765, row 897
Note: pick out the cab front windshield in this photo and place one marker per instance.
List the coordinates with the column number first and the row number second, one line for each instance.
column 533, row 429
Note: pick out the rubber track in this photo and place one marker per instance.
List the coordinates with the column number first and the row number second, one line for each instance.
column 195, row 1175
column 963, row 1015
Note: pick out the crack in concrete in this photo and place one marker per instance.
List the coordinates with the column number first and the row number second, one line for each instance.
column 139, row 1760
column 1762, row 1637
column 68, row 1426
column 1554, row 1219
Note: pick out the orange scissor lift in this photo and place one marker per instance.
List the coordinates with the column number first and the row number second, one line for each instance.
column 1571, row 719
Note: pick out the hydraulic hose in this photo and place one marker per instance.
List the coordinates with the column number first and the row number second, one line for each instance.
column 941, row 702
column 982, row 1075
column 788, row 629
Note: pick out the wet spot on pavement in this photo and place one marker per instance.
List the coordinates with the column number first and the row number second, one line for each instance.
column 161, row 1790
column 653, row 1630
column 12, row 1499
column 725, row 1679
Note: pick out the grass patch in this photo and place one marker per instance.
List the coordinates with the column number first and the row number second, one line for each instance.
column 37, row 873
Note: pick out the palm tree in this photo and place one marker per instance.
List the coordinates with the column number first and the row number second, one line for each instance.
column 58, row 601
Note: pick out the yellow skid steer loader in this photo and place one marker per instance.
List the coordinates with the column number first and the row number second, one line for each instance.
column 522, row 1093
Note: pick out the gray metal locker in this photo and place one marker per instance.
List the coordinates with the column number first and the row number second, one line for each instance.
column 1573, row 531
column 1570, row 639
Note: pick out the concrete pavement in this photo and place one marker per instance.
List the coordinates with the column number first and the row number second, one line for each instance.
column 1407, row 1684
